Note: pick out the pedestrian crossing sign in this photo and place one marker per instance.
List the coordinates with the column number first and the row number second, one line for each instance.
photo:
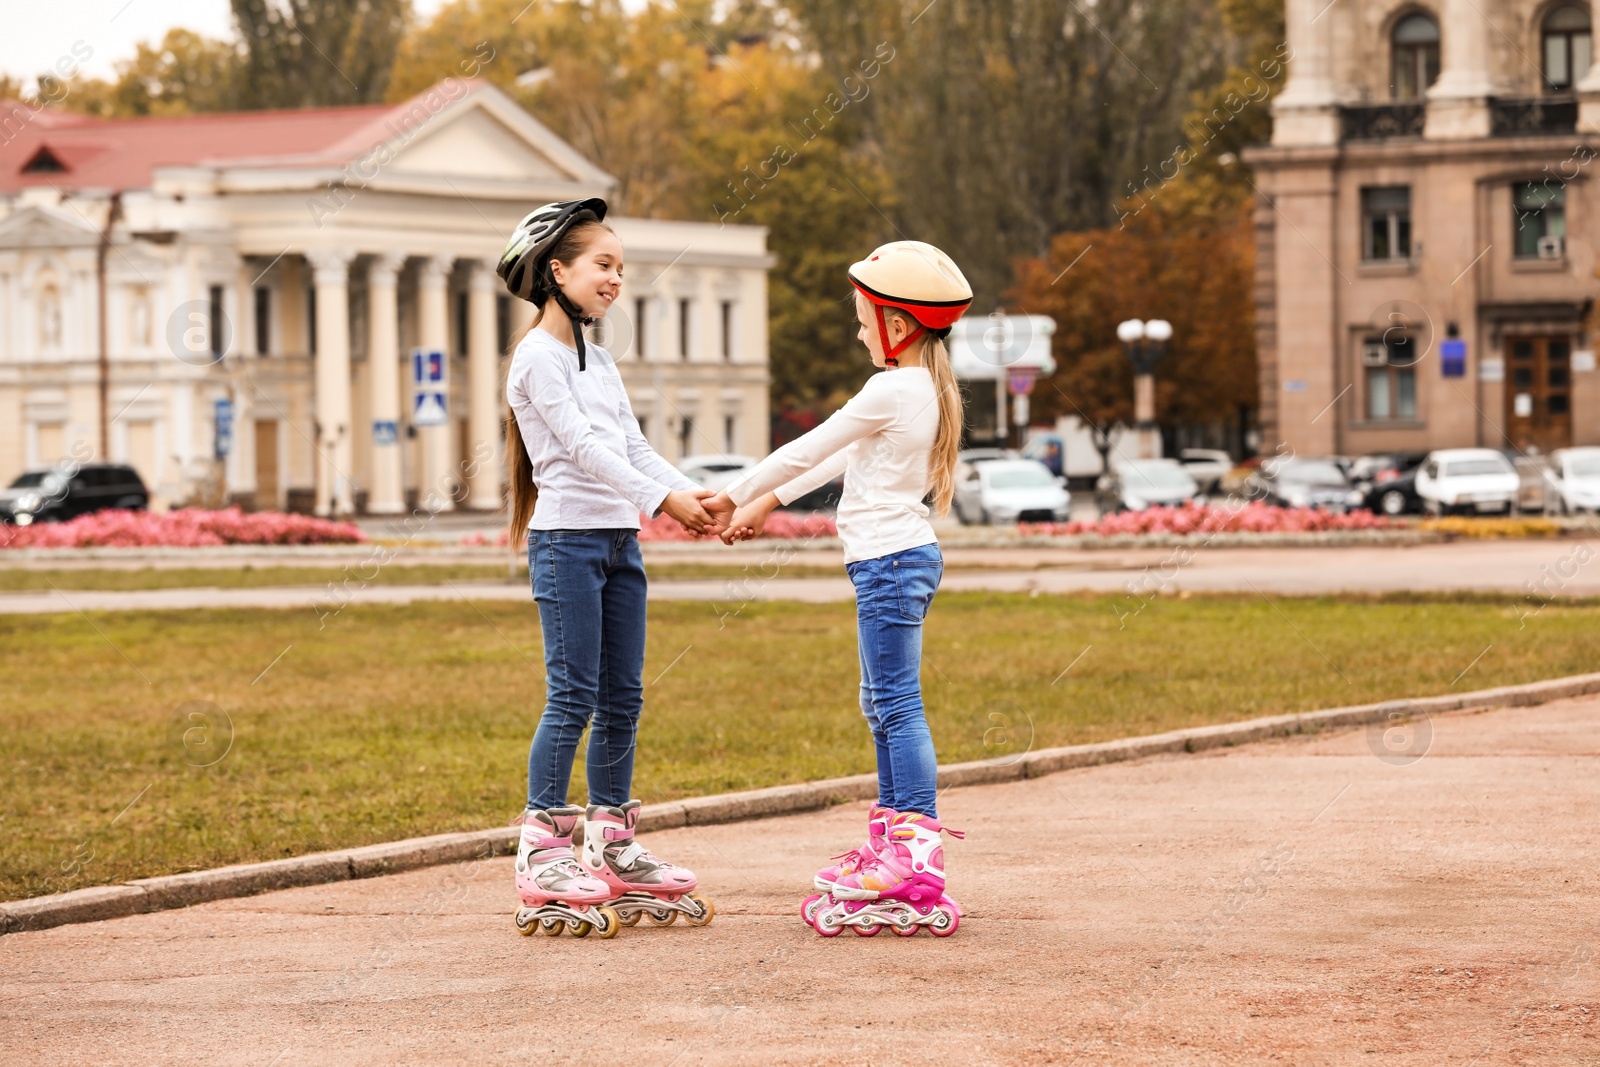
column 430, row 410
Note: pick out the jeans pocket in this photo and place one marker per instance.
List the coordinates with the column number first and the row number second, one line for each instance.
column 915, row 581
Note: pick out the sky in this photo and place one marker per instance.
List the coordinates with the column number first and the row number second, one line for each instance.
column 39, row 33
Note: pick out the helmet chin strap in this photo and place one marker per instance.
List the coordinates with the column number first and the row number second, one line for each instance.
column 891, row 354
column 579, row 321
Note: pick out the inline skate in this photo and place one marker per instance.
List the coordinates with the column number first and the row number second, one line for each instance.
column 639, row 885
column 556, row 891
column 901, row 887
column 849, row 862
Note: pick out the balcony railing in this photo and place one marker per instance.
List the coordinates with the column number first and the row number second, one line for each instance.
column 1380, row 122
column 1532, row 115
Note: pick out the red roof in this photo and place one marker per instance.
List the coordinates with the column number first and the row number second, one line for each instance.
column 122, row 153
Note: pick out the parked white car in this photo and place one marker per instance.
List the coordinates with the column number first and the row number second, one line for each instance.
column 715, row 472
column 1010, row 490
column 1137, row 484
column 1574, row 480
column 1207, row 466
column 1467, row 479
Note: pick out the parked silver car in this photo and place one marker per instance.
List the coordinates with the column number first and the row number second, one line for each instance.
column 1141, row 483
column 1009, row 490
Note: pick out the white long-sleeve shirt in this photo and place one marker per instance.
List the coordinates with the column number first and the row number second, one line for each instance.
column 593, row 466
column 880, row 441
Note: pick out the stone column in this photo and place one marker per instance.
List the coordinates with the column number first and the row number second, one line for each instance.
column 1306, row 112
column 387, row 492
column 483, row 391
column 335, row 453
column 1458, row 103
column 438, row 475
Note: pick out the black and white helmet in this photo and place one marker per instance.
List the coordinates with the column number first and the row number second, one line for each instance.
column 525, row 262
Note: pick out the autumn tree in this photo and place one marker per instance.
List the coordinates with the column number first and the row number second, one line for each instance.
column 317, row 53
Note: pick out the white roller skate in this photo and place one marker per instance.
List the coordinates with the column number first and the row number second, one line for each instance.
column 640, row 885
column 901, row 888
column 556, row 891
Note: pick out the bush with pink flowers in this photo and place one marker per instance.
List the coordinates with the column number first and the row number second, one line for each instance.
column 780, row 524
column 1202, row 521
column 183, row 528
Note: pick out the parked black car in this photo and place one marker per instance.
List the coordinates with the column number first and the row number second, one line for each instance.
column 1387, row 483
column 54, row 496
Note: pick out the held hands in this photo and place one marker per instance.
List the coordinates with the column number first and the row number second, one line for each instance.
column 748, row 522
column 688, row 506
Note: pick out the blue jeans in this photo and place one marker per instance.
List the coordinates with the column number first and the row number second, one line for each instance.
column 892, row 597
column 590, row 587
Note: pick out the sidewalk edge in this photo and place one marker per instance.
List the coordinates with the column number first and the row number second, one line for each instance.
column 196, row 887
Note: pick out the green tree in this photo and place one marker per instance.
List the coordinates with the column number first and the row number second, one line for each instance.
column 317, row 53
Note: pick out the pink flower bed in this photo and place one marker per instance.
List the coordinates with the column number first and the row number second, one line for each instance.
column 780, row 524
column 183, row 528
column 1191, row 519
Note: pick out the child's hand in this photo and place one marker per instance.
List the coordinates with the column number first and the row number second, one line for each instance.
column 720, row 507
column 748, row 522
column 686, row 506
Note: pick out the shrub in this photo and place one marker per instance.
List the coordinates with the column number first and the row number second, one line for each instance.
column 182, row 528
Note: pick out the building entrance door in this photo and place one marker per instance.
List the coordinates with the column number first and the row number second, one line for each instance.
column 1539, row 392
column 266, row 465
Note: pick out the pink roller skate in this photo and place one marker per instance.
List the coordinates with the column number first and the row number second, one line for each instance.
column 639, row 884
column 849, row 862
column 555, row 889
column 902, row 887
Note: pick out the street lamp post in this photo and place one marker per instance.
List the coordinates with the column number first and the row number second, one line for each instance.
column 1144, row 343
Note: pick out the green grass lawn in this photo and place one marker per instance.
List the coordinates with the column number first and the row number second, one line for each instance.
column 394, row 721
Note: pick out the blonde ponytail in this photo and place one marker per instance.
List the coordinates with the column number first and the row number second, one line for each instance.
column 947, row 440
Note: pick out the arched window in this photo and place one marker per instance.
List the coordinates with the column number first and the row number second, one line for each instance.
column 1415, row 47
column 1567, row 45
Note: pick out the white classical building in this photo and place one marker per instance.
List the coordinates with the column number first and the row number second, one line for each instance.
column 231, row 303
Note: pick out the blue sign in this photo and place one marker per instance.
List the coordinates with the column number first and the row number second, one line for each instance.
column 224, row 426
column 430, row 409
column 427, row 368
column 1453, row 357
column 385, row 433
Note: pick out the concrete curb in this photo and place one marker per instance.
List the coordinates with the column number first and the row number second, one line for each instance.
column 181, row 890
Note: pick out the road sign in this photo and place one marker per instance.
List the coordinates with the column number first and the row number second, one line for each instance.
column 430, row 409
column 224, row 426
column 428, row 368
column 1019, row 380
column 385, row 432
column 1453, row 357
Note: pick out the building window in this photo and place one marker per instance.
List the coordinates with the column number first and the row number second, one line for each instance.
column 502, row 323
column 1386, row 222
column 1390, row 372
column 683, row 329
column 217, row 326
column 640, row 306
column 727, row 331
column 263, row 297
column 728, row 434
column 311, row 319
column 461, row 322
column 1415, row 50
column 685, row 432
column 1539, row 212
column 1567, row 46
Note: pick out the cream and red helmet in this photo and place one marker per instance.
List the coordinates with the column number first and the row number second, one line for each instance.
column 918, row 279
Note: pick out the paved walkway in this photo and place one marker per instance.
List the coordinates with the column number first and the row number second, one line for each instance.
column 1563, row 567
column 1298, row 902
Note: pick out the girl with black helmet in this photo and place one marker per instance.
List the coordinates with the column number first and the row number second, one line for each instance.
column 581, row 472
column 895, row 442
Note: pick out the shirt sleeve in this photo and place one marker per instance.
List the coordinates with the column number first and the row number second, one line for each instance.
column 647, row 460
column 874, row 408
column 550, row 394
column 812, row 480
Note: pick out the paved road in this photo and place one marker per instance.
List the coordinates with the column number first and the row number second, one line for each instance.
column 1298, row 902
column 1563, row 567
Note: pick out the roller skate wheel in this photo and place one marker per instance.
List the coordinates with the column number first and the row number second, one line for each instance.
column 827, row 922
column 663, row 917
column 809, row 906
column 610, row 922
column 551, row 927
column 944, row 923
column 525, row 925
column 707, row 912
column 580, row 928
column 905, row 928
column 867, row 928
column 630, row 919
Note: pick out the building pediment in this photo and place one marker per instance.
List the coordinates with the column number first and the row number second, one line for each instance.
column 38, row 226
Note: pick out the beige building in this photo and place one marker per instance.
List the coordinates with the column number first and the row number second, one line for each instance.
column 1427, row 228
column 232, row 303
